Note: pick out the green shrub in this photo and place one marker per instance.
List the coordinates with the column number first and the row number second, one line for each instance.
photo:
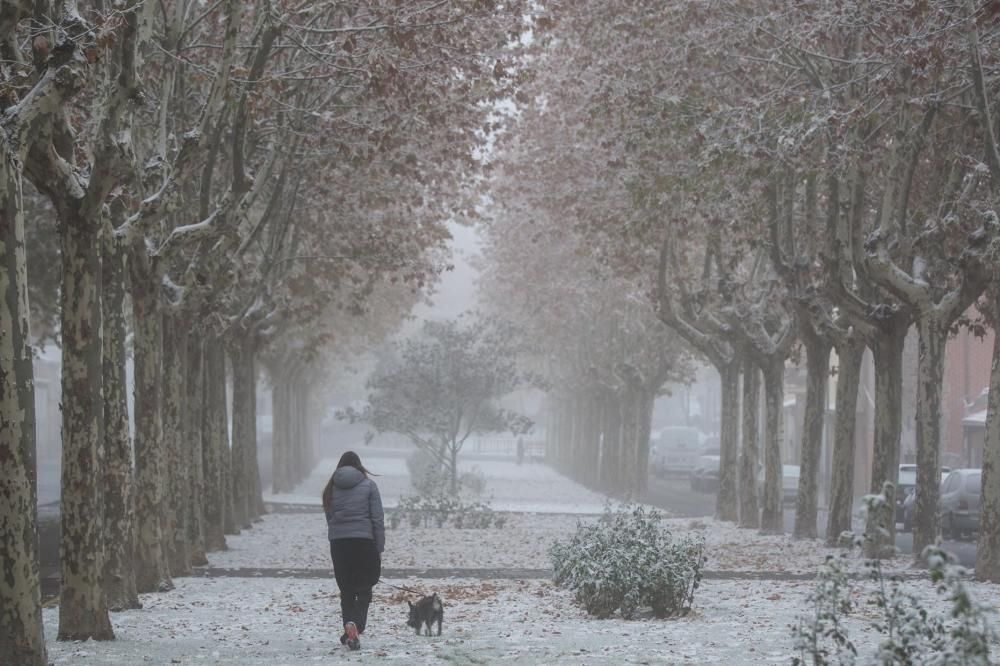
column 629, row 561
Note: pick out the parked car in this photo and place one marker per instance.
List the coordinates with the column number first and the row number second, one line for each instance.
column 705, row 475
column 906, row 494
column 904, row 488
column 959, row 503
column 674, row 450
column 789, row 483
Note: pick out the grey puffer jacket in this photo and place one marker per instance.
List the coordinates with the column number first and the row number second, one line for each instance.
column 357, row 508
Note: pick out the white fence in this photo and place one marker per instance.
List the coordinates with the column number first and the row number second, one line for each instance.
column 506, row 446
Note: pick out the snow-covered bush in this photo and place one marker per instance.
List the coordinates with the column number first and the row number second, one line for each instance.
column 912, row 633
column 427, row 476
column 473, row 481
column 444, row 509
column 629, row 561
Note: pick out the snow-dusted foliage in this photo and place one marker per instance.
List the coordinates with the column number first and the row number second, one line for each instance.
column 444, row 509
column 629, row 561
column 912, row 633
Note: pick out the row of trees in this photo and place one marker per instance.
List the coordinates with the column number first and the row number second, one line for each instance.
column 235, row 184
column 771, row 181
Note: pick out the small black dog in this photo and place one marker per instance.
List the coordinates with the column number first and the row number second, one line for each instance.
column 426, row 611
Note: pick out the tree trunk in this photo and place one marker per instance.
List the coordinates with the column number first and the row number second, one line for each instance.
column 216, row 429
column 196, row 437
column 573, row 467
column 887, row 351
column 119, row 507
column 726, row 507
column 629, row 406
column 151, row 571
column 229, row 520
column 772, row 519
column 178, row 485
column 244, row 431
column 933, row 334
column 988, row 548
column 749, row 514
column 849, row 357
column 645, row 432
column 255, row 495
column 294, row 450
column 281, row 473
column 452, row 448
column 589, row 444
column 83, row 611
column 566, row 435
column 817, row 376
column 611, row 453
column 300, row 416
column 22, row 640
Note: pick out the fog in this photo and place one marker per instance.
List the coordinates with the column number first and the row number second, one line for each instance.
column 535, row 332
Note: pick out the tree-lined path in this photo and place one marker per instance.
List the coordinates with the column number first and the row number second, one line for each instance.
column 201, row 201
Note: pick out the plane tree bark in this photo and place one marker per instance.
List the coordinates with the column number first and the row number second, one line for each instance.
column 726, row 359
column 930, row 279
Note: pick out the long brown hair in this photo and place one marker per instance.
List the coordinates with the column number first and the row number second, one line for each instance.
column 349, row 459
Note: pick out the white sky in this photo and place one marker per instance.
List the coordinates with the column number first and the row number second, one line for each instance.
column 456, row 292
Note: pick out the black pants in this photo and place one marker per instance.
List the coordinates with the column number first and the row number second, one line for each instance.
column 357, row 566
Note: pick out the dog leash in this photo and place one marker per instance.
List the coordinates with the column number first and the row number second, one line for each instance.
column 403, row 589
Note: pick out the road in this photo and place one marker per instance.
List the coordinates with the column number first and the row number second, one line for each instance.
column 675, row 495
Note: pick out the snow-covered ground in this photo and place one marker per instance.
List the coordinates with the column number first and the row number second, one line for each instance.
column 288, row 620
column 512, row 487
column 300, row 541
column 285, row 622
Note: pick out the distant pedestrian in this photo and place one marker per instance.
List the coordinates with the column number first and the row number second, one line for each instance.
column 520, row 450
column 356, row 527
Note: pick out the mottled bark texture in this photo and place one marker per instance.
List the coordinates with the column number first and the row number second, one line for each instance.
column 241, row 355
column 749, row 514
column 83, row 611
column 811, row 446
column 933, row 334
column 22, row 640
column 151, row 571
column 988, row 546
column 726, row 504
column 849, row 357
column 119, row 500
column 772, row 519
column 216, row 428
column 888, row 355
column 174, row 376
column 195, row 436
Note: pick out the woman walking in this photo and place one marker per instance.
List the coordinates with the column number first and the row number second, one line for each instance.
column 356, row 528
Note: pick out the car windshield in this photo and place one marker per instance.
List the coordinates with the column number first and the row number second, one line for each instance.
column 679, row 436
column 907, row 478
